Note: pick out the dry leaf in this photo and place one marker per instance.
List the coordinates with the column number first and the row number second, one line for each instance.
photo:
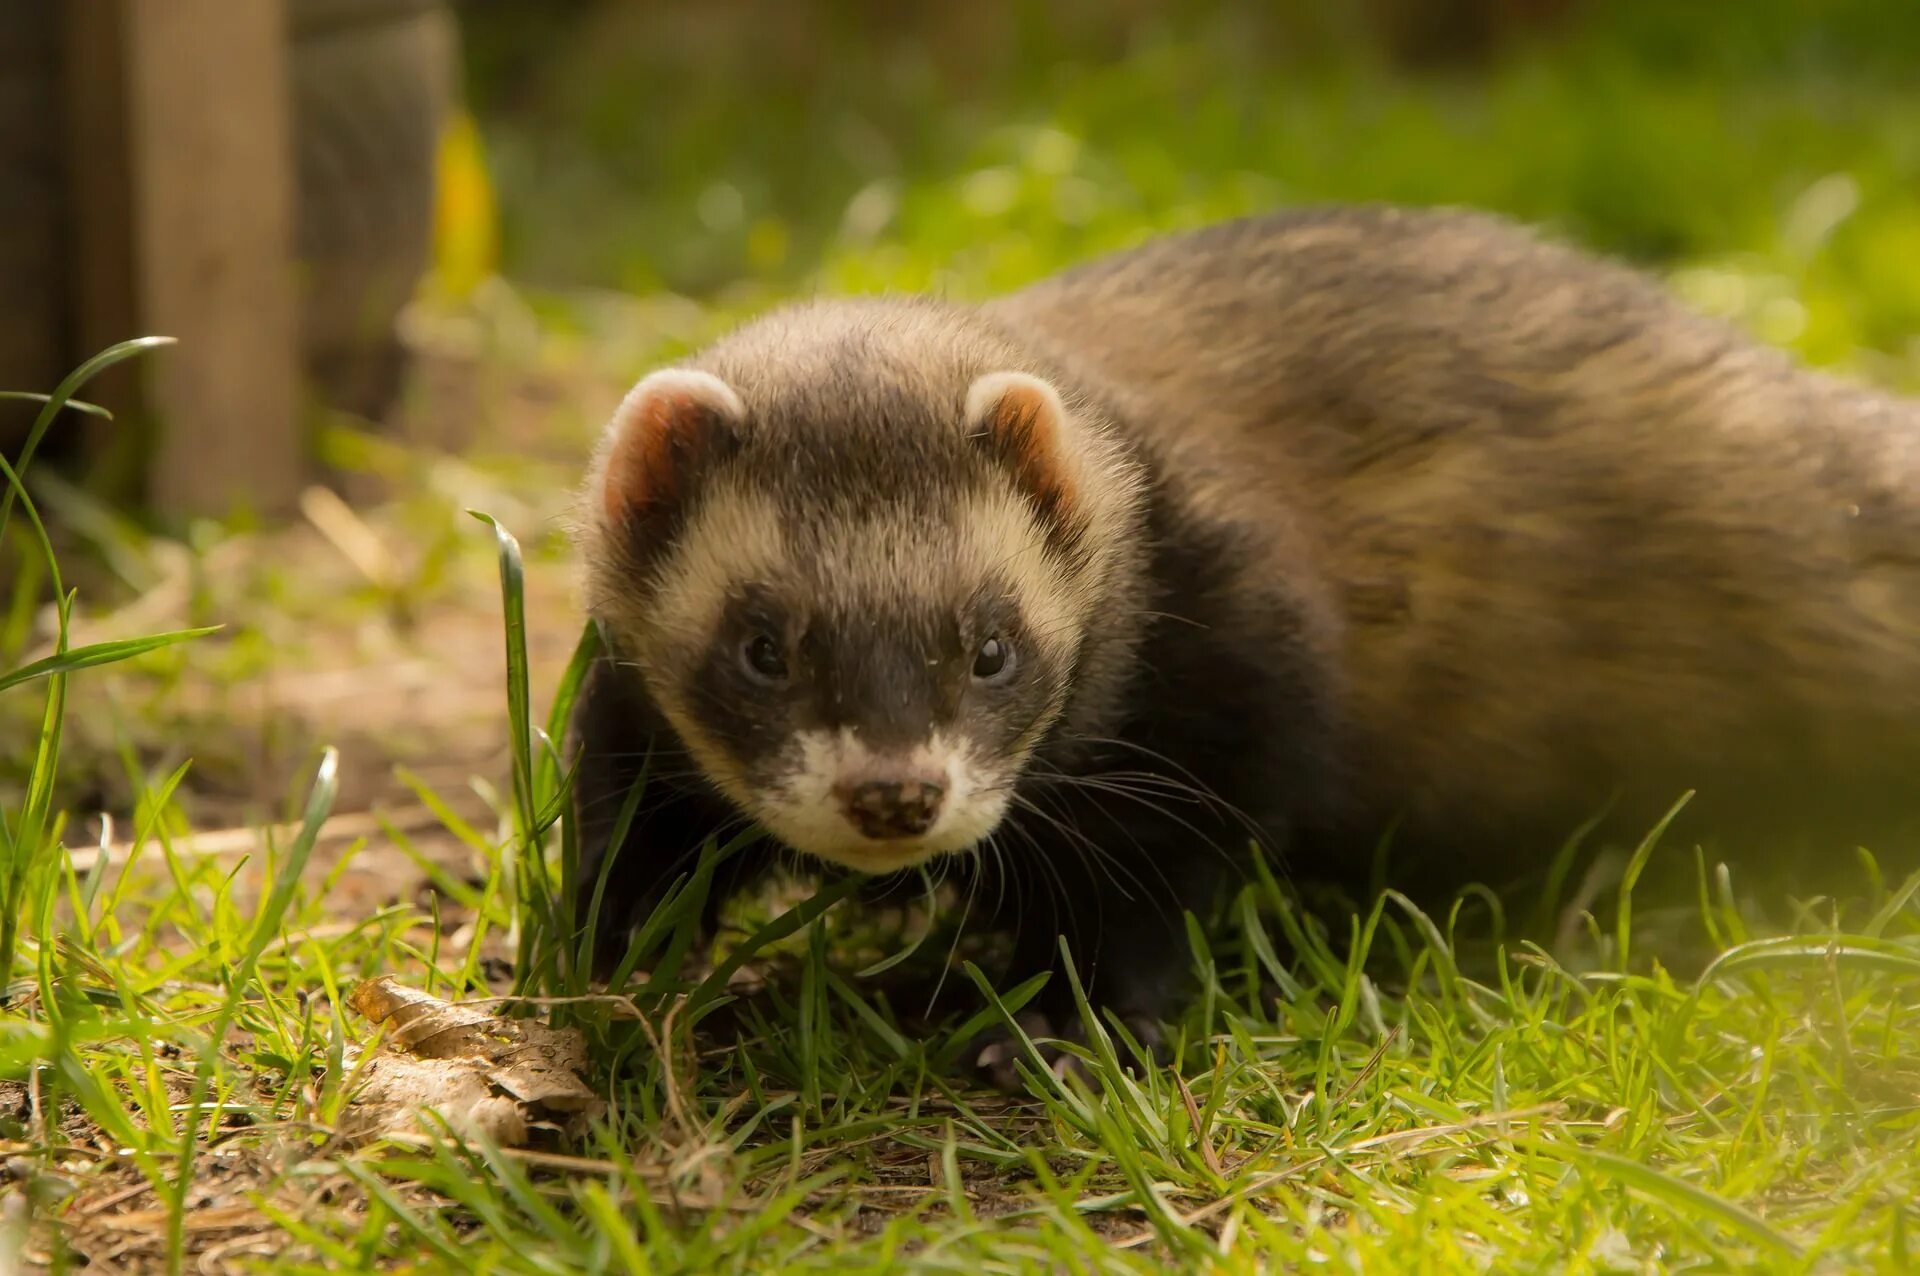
column 483, row 1074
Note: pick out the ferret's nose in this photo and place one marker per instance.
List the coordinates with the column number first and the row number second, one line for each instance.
column 892, row 808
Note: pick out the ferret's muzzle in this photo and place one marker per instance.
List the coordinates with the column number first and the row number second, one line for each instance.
column 880, row 810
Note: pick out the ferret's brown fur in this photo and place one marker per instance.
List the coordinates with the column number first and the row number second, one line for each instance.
column 1569, row 539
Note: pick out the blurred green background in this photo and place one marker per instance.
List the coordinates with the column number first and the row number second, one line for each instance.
column 647, row 172
column 1765, row 153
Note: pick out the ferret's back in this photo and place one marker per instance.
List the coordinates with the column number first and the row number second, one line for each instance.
column 1577, row 529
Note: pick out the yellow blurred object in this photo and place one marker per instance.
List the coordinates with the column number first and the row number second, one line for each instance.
column 767, row 243
column 466, row 240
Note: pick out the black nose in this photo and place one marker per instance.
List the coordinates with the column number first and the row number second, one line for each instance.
column 892, row 808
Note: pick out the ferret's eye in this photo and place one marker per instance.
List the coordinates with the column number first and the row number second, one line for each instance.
column 764, row 659
column 993, row 661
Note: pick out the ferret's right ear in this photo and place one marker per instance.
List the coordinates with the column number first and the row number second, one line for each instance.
column 668, row 424
column 1021, row 419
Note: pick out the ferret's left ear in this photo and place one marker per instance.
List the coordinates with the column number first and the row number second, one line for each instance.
column 1020, row 418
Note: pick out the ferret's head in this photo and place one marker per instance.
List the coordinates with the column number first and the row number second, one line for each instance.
column 855, row 553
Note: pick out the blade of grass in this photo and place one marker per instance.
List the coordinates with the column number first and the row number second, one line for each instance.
column 788, row 923
column 1801, row 951
column 99, row 653
column 78, row 405
column 63, row 394
column 535, row 907
column 1623, row 924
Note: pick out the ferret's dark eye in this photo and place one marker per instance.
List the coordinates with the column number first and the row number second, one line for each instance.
column 764, row 658
column 994, row 660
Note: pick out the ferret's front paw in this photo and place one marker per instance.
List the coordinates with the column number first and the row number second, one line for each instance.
column 995, row 1050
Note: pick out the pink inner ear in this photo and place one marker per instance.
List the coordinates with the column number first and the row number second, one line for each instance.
column 1026, row 428
column 655, row 432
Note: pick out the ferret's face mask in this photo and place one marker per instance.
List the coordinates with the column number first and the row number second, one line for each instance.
column 860, row 651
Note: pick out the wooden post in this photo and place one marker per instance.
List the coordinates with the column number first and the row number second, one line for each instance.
column 184, row 205
column 32, row 211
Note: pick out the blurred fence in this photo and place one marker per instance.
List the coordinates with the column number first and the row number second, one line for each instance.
column 254, row 178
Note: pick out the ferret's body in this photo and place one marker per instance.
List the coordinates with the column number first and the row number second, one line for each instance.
column 1566, row 540
column 1358, row 520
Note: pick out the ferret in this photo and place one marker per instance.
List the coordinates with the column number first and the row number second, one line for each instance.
column 1299, row 532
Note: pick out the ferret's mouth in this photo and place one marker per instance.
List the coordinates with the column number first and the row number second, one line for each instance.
column 877, row 812
column 824, row 832
column 848, row 849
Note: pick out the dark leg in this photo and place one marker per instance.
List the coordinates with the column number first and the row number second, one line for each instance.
column 613, row 733
column 1121, row 912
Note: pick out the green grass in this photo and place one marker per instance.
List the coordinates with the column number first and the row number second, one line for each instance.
column 178, row 1057
column 975, row 148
